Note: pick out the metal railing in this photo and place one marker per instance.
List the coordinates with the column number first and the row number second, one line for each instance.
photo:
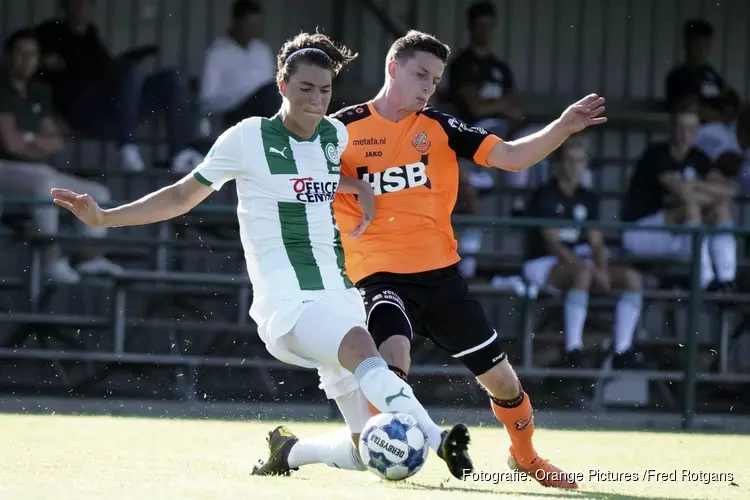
column 695, row 293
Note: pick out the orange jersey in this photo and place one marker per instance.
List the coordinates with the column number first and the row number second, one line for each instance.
column 413, row 167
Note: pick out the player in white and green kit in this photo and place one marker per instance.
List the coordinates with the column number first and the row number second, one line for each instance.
column 286, row 171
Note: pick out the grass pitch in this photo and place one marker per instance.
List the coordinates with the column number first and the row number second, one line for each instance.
column 81, row 458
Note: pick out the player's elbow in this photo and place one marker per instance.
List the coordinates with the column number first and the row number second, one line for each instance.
column 505, row 157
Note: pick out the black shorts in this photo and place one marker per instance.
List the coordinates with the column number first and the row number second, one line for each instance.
column 433, row 304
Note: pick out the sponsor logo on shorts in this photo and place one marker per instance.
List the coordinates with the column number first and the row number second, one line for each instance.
column 389, row 296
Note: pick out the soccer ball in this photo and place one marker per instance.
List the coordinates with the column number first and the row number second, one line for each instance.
column 393, row 446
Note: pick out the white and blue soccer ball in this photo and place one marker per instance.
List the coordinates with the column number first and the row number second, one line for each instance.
column 393, row 446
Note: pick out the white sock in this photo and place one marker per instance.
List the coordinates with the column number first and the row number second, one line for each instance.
column 723, row 248
column 388, row 393
column 627, row 312
column 576, row 308
column 707, row 268
column 335, row 449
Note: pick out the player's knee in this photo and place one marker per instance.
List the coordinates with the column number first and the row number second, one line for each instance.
column 582, row 278
column 501, row 381
column 356, row 346
column 388, row 323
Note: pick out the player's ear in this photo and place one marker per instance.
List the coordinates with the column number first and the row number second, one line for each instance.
column 391, row 68
column 282, row 88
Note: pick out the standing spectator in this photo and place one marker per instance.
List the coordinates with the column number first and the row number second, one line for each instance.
column 575, row 261
column 674, row 183
column 29, row 137
column 696, row 81
column 238, row 75
column 91, row 88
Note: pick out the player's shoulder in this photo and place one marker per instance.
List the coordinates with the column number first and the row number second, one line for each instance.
column 352, row 114
column 334, row 122
column 251, row 123
column 337, row 125
column 450, row 124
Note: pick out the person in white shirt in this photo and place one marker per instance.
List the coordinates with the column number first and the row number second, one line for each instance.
column 238, row 73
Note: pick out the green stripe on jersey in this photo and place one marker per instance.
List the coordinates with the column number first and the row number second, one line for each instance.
column 338, row 249
column 295, row 234
column 329, row 141
column 202, row 180
column 276, row 147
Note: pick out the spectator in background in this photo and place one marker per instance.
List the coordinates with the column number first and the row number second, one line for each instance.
column 674, row 183
column 92, row 88
column 482, row 87
column 695, row 81
column 576, row 261
column 732, row 135
column 238, row 75
column 29, row 137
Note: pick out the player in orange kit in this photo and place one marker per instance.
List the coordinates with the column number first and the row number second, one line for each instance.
column 405, row 265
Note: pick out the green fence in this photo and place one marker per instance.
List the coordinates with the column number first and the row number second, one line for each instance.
column 697, row 233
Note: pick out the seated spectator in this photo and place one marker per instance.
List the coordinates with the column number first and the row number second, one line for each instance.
column 564, row 259
column 91, row 88
column 29, row 136
column 238, row 75
column 718, row 138
column 695, row 81
column 674, row 183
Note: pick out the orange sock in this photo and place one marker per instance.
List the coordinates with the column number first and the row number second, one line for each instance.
column 402, row 375
column 519, row 423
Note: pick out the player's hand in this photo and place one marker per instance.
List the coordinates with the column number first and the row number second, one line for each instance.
column 602, row 278
column 82, row 206
column 584, row 113
column 366, row 199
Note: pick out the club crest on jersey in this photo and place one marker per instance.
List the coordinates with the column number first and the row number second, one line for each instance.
column 420, row 142
column 332, row 154
column 306, row 190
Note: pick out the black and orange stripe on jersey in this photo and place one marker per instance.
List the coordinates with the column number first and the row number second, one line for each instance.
column 413, row 168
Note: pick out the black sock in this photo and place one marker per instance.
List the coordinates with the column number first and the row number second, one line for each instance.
column 509, row 403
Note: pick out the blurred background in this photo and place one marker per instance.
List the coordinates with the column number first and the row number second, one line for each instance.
column 119, row 97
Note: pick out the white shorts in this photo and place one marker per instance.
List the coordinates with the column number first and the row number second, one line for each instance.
column 536, row 271
column 306, row 329
column 656, row 243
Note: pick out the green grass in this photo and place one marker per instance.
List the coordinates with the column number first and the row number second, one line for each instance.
column 64, row 457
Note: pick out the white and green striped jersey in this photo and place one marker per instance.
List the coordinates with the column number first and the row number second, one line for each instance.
column 285, row 190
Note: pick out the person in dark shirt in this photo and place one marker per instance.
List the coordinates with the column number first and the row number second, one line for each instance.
column 696, row 80
column 575, row 260
column 481, row 85
column 674, row 183
column 29, row 138
column 91, row 88
column 484, row 92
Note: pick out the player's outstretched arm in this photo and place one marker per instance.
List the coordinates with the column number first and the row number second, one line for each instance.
column 528, row 151
column 366, row 199
column 164, row 204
